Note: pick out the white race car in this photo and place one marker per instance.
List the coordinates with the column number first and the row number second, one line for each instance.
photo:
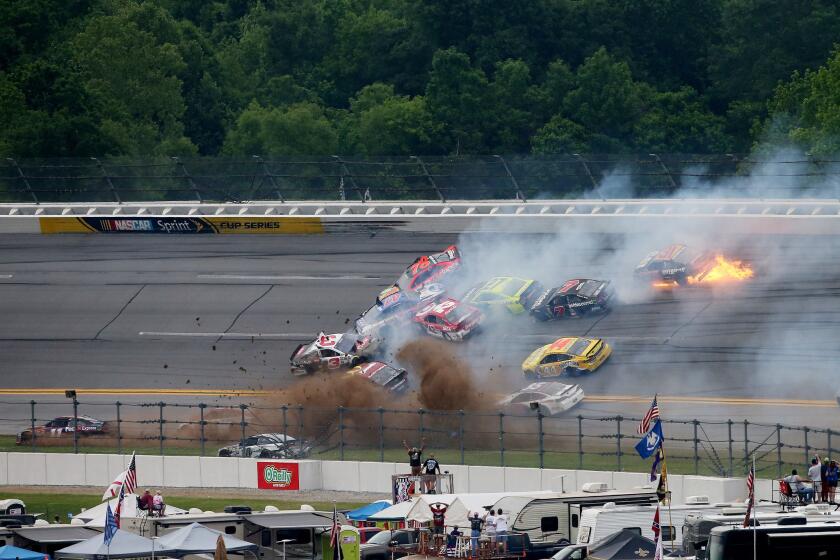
column 549, row 397
column 330, row 352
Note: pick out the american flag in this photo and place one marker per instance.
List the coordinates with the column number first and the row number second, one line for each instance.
column 751, row 496
column 651, row 415
column 336, row 529
column 130, row 483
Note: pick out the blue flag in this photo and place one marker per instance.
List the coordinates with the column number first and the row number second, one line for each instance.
column 110, row 525
column 651, row 441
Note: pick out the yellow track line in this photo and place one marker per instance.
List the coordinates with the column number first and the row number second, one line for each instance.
column 140, row 392
column 713, row 400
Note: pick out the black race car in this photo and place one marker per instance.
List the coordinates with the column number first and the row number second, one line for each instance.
column 574, row 298
column 675, row 264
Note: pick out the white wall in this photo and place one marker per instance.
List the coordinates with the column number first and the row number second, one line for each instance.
column 65, row 469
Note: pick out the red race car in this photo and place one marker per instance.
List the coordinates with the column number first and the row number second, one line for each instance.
column 449, row 319
column 428, row 269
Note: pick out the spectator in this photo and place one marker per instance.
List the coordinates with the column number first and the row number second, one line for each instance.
column 415, row 456
column 832, row 473
column 431, row 468
column 452, row 539
column 145, row 502
column 501, row 529
column 158, row 504
column 438, row 517
column 798, row 486
column 56, row 520
column 823, row 472
column 475, row 531
column 490, row 527
column 816, row 477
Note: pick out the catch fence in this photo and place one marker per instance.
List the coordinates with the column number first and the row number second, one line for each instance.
column 516, row 177
column 721, row 448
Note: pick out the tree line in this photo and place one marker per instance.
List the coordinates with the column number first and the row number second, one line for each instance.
column 399, row 77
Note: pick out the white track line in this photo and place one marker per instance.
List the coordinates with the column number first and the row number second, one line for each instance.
column 287, row 277
column 280, row 336
column 6, row 275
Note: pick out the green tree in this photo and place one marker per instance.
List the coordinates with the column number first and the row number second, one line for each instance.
column 300, row 129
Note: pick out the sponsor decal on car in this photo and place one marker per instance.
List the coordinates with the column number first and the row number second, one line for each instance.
column 274, row 475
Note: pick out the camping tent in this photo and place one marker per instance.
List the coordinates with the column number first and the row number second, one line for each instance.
column 418, row 510
column 10, row 552
column 623, row 545
column 123, row 545
column 196, row 539
column 95, row 516
column 362, row 513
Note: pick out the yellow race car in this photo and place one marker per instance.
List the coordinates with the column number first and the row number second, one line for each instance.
column 569, row 355
column 505, row 292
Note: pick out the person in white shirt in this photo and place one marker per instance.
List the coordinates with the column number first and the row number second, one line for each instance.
column 814, row 475
column 158, row 504
column 798, row 486
column 501, row 529
column 490, row 527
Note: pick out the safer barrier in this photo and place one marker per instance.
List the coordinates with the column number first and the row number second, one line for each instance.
column 97, row 471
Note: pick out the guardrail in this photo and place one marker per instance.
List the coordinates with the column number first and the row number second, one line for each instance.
column 515, row 177
column 721, row 448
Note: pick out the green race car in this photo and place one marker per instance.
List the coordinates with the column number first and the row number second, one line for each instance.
column 515, row 294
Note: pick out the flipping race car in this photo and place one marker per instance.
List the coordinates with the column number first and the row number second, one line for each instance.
column 328, row 352
column 675, row 264
column 427, row 269
column 449, row 319
column 505, row 292
column 393, row 308
column 569, row 355
column 63, row 426
column 268, row 446
column 549, row 397
column 393, row 379
column 574, row 298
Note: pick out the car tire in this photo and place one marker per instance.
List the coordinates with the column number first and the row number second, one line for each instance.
column 224, row 453
column 265, row 454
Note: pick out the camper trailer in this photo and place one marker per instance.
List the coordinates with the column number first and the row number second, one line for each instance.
column 792, row 537
column 555, row 518
column 598, row 523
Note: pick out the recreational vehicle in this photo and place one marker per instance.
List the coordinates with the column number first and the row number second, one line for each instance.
column 802, row 540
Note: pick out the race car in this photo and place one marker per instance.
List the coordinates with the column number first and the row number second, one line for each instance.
column 329, row 352
column 574, row 298
column 393, row 379
column 549, row 397
column 674, row 264
column 569, row 355
column 394, row 308
column 268, row 446
column 449, row 319
column 427, row 269
column 505, row 292
column 63, row 426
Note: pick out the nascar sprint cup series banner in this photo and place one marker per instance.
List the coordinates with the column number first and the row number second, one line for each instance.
column 275, row 475
column 173, row 224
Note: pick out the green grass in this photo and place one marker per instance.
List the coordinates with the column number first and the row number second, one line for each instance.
column 60, row 504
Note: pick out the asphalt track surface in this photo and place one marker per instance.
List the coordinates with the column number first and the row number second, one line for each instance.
column 186, row 319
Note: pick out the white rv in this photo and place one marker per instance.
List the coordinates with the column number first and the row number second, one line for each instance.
column 599, row 523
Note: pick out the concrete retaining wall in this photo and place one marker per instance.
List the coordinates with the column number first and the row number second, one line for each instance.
column 57, row 469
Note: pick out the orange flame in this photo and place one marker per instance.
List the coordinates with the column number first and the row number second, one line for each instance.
column 724, row 270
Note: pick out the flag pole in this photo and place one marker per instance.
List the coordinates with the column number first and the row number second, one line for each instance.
column 667, row 494
column 752, row 504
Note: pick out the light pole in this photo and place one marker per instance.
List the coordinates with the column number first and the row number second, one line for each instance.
column 153, row 546
column 284, row 541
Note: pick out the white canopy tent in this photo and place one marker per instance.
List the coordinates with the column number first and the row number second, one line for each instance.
column 196, row 539
column 95, row 516
column 419, row 510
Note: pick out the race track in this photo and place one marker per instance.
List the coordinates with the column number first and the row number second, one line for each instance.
column 224, row 313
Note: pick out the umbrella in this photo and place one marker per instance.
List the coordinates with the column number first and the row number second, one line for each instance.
column 623, row 545
column 198, row 539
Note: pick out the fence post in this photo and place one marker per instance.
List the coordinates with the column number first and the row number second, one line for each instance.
column 807, row 447
column 285, row 409
column 829, row 450
column 75, row 425
column 201, row 423
column 461, row 433
column 25, row 180
column 119, row 429
column 242, row 425
column 300, row 422
column 421, row 412
column 665, row 169
column 261, row 162
column 696, row 452
column 429, row 177
column 746, row 445
column 381, row 435
column 189, row 178
column 105, row 176
column 580, row 441
column 502, row 438
column 540, row 432
column 589, row 174
column 345, row 172
column 618, row 442
column 340, row 433
column 32, row 423
column 517, row 190
column 779, row 449
column 160, row 425
column 729, row 432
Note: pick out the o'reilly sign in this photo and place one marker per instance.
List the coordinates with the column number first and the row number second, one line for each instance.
column 278, row 475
